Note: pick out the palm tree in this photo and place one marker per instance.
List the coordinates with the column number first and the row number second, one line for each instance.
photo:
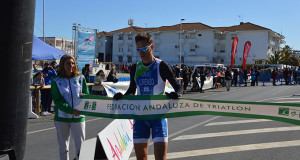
column 286, row 53
column 275, row 59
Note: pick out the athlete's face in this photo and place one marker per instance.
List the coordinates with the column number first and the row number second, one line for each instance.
column 145, row 51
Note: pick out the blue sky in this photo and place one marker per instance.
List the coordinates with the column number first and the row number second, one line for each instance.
column 277, row 15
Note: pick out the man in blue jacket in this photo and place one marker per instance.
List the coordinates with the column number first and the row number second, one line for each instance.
column 48, row 73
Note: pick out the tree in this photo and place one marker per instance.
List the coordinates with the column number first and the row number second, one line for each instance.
column 275, row 59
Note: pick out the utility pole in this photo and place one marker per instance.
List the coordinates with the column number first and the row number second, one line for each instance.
column 180, row 42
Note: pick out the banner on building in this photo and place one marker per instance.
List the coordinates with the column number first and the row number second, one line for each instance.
column 149, row 107
column 246, row 53
column 233, row 50
column 86, row 48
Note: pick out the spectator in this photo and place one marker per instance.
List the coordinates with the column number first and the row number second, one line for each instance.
column 67, row 88
column 202, row 79
column 196, row 75
column 235, row 76
column 48, row 73
column 38, row 80
column 54, row 65
column 228, row 78
column 86, row 72
column 274, row 76
column 98, row 87
column 253, row 77
column 185, row 77
column 287, row 75
column 295, row 75
column 257, row 74
column 245, row 76
column 112, row 76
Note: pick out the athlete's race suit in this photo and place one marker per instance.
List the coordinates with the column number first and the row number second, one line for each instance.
column 151, row 80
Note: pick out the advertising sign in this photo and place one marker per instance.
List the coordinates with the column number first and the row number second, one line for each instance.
column 246, row 53
column 233, row 50
column 117, row 139
column 86, row 48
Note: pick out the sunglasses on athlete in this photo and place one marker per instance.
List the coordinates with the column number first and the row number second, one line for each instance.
column 144, row 48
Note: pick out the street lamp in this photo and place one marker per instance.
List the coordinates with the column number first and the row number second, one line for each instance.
column 180, row 42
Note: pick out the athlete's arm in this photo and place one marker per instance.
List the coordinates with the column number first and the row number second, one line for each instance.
column 132, row 85
column 167, row 73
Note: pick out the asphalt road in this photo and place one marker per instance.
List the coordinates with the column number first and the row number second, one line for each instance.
column 200, row 137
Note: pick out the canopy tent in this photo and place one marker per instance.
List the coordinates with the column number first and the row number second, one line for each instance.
column 43, row 51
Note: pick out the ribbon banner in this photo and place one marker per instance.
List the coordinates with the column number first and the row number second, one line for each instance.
column 159, row 106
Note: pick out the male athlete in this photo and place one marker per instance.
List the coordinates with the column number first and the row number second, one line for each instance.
column 149, row 78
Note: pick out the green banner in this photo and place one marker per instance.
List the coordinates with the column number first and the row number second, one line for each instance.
column 157, row 107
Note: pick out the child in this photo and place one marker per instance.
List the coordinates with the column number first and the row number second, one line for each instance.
column 38, row 80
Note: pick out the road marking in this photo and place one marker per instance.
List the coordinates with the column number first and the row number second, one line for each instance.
column 281, row 90
column 220, row 150
column 234, row 133
column 237, row 122
column 42, row 130
column 191, row 127
column 287, row 102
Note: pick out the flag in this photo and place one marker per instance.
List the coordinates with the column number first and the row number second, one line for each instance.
column 246, row 53
column 233, row 50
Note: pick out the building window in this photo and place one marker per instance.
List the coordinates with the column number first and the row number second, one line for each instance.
column 199, row 35
column 120, row 59
column 129, row 37
column 129, row 59
column 120, row 38
column 120, row 49
column 192, row 50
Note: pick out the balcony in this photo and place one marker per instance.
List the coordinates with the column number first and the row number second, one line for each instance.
column 118, row 53
column 127, row 53
column 182, row 53
column 192, row 53
column 120, row 41
column 192, row 40
column 129, row 41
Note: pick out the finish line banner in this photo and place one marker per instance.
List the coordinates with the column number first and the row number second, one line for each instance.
column 159, row 106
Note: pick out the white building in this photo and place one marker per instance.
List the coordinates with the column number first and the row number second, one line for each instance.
column 63, row 44
column 104, row 47
column 200, row 43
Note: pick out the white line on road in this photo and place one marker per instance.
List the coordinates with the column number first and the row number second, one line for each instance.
column 54, row 127
column 249, row 147
column 191, row 127
column 237, row 122
column 281, row 90
column 287, row 102
column 240, row 132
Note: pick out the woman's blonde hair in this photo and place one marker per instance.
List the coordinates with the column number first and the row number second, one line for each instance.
column 61, row 66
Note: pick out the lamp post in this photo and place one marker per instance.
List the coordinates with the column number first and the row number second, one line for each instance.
column 180, row 42
column 44, row 20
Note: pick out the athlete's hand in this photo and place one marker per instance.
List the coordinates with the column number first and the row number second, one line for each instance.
column 173, row 95
column 118, row 96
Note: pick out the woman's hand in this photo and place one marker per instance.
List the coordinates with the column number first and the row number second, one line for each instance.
column 76, row 112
